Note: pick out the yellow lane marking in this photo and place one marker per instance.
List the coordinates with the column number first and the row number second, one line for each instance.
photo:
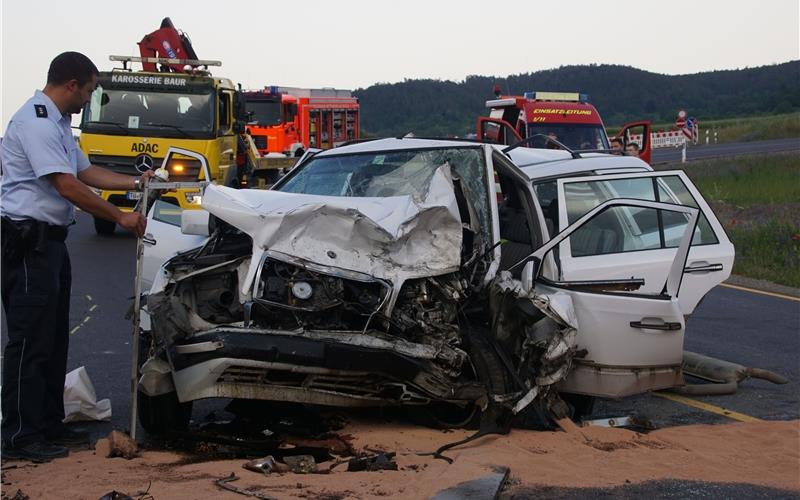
column 741, row 417
column 761, row 292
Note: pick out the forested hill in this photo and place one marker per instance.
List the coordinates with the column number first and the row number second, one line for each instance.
column 620, row 93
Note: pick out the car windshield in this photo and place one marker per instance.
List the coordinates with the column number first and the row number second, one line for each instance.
column 574, row 136
column 167, row 114
column 381, row 174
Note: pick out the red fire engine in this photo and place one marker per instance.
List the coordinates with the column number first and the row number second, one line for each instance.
column 290, row 120
column 567, row 117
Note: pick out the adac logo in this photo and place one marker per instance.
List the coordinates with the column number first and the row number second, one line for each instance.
column 143, row 163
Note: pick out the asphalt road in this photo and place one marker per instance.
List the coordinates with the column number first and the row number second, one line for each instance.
column 708, row 151
column 738, row 326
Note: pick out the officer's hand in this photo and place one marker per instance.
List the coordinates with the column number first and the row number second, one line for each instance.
column 147, row 176
column 133, row 221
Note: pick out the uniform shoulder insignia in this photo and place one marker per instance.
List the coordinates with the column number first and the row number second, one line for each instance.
column 41, row 110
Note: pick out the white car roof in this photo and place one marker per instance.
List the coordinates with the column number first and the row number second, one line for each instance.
column 551, row 163
column 393, row 143
column 535, row 163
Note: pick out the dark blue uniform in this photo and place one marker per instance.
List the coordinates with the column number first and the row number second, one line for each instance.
column 36, row 276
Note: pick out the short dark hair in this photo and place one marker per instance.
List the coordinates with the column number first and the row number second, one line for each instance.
column 71, row 66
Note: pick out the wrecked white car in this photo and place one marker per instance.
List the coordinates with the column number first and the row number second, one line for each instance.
column 438, row 274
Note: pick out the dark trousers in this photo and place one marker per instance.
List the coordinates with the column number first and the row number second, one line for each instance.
column 36, row 292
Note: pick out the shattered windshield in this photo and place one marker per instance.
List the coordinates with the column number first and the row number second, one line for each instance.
column 160, row 113
column 381, row 174
column 394, row 173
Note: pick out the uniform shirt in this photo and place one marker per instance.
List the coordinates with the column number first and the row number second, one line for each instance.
column 38, row 142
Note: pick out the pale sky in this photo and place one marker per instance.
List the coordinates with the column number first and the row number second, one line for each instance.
column 349, row 44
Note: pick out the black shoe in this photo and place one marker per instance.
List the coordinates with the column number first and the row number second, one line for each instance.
column 68, row 437
column 38, row 451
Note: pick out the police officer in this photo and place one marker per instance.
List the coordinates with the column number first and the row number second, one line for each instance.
column 43, row 175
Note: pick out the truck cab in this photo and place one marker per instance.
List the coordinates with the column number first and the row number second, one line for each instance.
column 133, row 117
column 551, row 120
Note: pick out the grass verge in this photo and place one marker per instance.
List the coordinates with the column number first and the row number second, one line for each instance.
column 757, row 200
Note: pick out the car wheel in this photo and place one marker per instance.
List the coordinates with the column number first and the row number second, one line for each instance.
column 487, row 367
column 104, row 227
column 163, row 413
column 581, row 404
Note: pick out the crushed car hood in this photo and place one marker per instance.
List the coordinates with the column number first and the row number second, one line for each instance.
column 394, row 238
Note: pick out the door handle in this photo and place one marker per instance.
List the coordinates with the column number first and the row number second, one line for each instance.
column 705, row 268
column 148, row 239
column 667, row 326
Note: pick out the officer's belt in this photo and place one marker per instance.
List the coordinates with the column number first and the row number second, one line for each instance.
column 54, row 233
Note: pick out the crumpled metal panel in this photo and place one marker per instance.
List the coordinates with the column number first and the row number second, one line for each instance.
column 394, row 238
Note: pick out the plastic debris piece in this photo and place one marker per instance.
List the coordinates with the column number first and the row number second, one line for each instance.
column 80, row 399
column 266, row 465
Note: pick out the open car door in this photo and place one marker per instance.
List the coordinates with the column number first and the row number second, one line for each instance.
column 632, row 339
column 638, row 132
column 164, row 239
column 641, row 244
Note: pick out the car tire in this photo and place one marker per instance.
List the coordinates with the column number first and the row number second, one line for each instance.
column 580, row 404
column 164, row 413
column 488, row 369
column 104, row 227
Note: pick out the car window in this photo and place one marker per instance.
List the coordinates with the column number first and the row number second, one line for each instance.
column 167, row 213
column 629, row 229
column 618, row 230
column 671, row 189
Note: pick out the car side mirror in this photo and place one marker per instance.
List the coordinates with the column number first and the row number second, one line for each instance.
column 529, row 274
column 195, row 222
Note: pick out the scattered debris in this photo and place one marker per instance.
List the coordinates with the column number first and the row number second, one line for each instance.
column 117, row 444
column 19, row 495
column 301, row 464
column 483, row 487
column 115, row 495
column 266, row 465
column 381, row 461
column 629, row 421
column 724, row 375
column 224, row 483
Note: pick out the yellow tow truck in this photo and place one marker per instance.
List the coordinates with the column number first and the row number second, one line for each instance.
column 133, row 118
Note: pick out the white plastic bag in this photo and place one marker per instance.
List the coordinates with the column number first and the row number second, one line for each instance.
column 80, row 400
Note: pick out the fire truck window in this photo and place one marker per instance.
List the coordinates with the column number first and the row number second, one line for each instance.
column 225, row 110
column 290, row 111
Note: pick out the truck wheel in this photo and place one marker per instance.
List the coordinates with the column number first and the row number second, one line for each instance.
column 104, row 227
column 163, row 413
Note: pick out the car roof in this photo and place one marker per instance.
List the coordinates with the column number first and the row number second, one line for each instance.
column 396, row 143
column 549, row 163
column 535, row 163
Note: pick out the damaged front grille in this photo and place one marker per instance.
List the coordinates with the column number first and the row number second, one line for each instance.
column 354, row 384
column 293, row 295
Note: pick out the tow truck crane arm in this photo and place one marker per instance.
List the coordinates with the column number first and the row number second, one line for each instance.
column 169, row 43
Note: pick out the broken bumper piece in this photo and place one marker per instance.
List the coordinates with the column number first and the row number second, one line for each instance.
column 327, row 368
